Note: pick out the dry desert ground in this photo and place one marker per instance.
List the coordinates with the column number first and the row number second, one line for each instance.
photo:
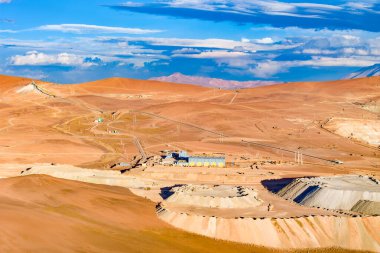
column 81, row 171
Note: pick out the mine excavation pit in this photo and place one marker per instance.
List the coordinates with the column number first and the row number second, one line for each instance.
column 216, row 196
column 349, row 194
column 366, row 131
column 223, row 212
column 231, row 201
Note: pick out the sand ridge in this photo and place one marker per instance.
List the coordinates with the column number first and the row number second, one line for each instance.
column 93, row 127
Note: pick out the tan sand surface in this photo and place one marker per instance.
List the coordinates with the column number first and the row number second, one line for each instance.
column 58, row 126
column 45, row 214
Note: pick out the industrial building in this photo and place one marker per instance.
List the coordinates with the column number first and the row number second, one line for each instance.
column 183, row 159
column 205, row 161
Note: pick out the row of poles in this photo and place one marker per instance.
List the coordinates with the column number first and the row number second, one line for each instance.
column 298, row 157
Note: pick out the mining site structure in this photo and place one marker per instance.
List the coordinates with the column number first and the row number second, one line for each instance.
column 221, row 137
column 298, row 157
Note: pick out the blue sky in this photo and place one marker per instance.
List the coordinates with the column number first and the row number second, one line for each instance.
column 81, row 40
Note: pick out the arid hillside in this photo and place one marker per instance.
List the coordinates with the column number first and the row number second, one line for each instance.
column 57, row 215
column 45, row 126
column 282, row 131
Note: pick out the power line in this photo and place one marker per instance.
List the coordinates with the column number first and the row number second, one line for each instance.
column 221, row 136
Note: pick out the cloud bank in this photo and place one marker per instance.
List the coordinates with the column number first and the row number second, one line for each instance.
column 83, row 28
column 363, row 15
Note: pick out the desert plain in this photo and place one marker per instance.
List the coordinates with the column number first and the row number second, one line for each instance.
column 81, row 167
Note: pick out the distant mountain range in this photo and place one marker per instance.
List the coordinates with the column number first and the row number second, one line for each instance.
column 211, row 82
column 373, row 70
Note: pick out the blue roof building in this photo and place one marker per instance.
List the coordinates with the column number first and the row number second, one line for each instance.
column 183, row 159
column 206, row 161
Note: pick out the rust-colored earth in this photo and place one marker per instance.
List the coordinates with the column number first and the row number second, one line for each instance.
column 44, row 214
column 57, row 125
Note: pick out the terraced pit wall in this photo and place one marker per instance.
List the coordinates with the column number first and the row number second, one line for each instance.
column 333, row 193
column 359, row 233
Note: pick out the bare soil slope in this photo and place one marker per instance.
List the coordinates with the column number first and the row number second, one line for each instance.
column 290, row 115
column 97, row 124
column 55, row 215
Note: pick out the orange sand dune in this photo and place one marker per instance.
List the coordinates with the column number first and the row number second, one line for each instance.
column 60, row 125
column 126, row 85
column 44, row 214
column 8, row 82
column 287, row 115
column 340, row 87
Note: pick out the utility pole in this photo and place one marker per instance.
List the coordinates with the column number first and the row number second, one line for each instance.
column 221, row 136
column 134, row 119
column 298, row 157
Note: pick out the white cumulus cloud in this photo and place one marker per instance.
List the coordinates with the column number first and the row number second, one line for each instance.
column 268, row 68
column 40, row 59
column 265, row 41
column 213, row 54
